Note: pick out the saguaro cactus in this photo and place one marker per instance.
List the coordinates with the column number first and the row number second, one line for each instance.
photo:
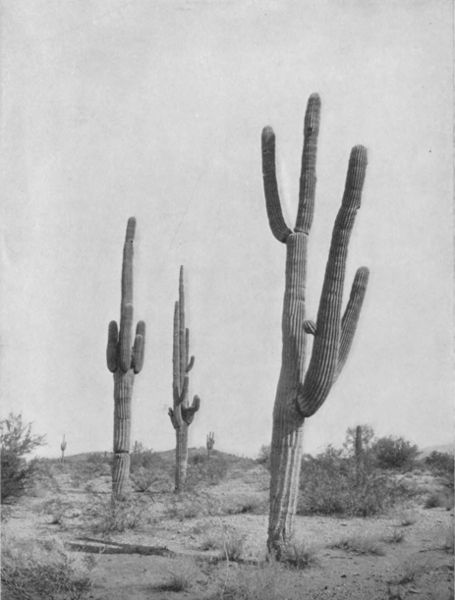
column 124, row 359
column 210, row 442
column 63, row 448
column 300, row 391
column 182, row 414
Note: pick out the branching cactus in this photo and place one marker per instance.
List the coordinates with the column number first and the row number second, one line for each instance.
column 302, row 389
column 124, row 359
column 63, row 448
column 210, row 442
column 182, row 414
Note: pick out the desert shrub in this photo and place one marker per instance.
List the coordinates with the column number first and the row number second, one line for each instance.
column 394, row 453
column 442, row 464
column 439, row 499
column 17, row 441
column 207, row 471
column 264, row 456
column 360, row 544
column 227, row 540
column 330, row 484
column 110, row 515
column 43, row 571
column 298, row 555
column 179, row 579
column 184, row 506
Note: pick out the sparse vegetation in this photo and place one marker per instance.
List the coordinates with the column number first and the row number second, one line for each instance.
column 110, row 515
column 43, row 571
column 360, row 544
column 298, row 555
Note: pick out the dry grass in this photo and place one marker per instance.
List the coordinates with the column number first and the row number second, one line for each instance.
column 358, row 544
column 43, row 570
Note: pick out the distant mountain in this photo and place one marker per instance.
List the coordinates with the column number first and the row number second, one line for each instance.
column 446, row 448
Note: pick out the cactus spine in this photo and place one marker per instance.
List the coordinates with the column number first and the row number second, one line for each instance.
column 210, row 442
column 300, row 392
column 124, row 359
column 182, row 414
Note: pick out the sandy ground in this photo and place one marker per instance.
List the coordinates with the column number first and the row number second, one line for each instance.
column 411, row 544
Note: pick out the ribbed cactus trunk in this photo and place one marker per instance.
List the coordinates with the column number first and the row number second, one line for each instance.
column 358, row 450
column 301, row 391
column 124, row 360
column 182, row 414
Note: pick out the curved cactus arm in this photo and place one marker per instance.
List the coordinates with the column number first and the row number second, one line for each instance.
column 351, row 316
column 272, row 199
column 137, row 359
column 324, row 358
column 190, row 364
column 189, row 411
column 111, row 350
column 309, row 327
column 307, row 191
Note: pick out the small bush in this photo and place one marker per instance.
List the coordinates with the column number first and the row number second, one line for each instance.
column 228, row 541
column 330, row 484
column 396, row 537
column 115, row 515
column 358, row 544
column 441, row 462
column 439, row 499
column 203, row 472
column 178, row 580
column 298, row 555
column 17, row 441
column 264, row 456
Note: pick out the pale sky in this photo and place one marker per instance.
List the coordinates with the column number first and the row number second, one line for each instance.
column 154, row 109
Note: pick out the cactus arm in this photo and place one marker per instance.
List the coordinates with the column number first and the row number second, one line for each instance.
column 324, row 359
column 309, row 327
column 307, row 191
column 188, row 412
column 111, row 350
column 190, row 364
column 351, row 316
column 137, row 359
column 275, row 215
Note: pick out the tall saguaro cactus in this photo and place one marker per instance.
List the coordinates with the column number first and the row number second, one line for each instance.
column 301, row 391
column 182, row 414
column 124, row 359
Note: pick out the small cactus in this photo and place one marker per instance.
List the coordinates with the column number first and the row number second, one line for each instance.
column 182, row 414
column 210, row 442
column 63, row 448
column 125, row 358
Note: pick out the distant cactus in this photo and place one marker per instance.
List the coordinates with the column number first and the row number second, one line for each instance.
column 210, row 442
column 303, row 389
column 124, row 360
column 182, row 414
column 358, row 450
column 63, row 448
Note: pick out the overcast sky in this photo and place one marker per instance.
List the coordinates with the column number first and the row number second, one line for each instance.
column 154, row 109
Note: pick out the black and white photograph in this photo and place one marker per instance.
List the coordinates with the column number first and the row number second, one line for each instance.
column 227, row 299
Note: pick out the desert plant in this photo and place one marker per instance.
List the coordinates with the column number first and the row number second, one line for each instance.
column 394, row 453
column 43, row 571
column 113, row 516
column 124, row 360
column 17, row 442
column 441, row 463
column 298, row 555
column 360, row 544
column 210, row 442
column 300, row 395
column 63, row 448
column 264, row 455
column 182, row 414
